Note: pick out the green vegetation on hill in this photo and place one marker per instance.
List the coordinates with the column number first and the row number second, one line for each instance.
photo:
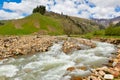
column 113, row 30
column 31, row 24
column 50, row 23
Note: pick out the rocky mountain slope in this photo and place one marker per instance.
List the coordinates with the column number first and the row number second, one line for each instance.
column 106, row 22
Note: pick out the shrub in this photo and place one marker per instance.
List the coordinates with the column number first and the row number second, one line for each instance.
column 100, row 32
column 112, row 31
column 40, row 9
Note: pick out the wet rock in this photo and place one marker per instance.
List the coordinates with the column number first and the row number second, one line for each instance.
column 69, row 46
column 70, row 68
column 27, row 70
column 76, row 78
column 82, row 68
column 108, row 77
column 87, row 43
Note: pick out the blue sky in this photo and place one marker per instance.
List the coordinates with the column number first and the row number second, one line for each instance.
column 13, row 9
column 2, row 1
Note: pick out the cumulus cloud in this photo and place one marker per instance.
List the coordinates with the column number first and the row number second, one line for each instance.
column 7, row 15
column 80, row 8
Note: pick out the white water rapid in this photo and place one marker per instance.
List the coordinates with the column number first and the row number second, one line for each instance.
column 52, row 65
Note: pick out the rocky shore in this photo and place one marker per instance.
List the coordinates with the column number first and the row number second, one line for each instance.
column 16, row 45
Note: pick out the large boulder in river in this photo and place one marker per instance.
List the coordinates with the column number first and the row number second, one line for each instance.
column 69, row 46
column 86, row 42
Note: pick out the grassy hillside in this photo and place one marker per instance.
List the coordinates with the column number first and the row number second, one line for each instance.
column 50, row 23
column 31, row 24
column 78, row 24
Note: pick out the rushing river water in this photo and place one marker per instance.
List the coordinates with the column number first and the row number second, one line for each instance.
column 52, row 65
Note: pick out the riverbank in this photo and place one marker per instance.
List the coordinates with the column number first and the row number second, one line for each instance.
column 23, row 45
column 12, row 46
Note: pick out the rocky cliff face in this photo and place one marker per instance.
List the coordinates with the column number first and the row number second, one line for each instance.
column 106, row 22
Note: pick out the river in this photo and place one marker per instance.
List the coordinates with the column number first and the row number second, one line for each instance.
column 52, row 65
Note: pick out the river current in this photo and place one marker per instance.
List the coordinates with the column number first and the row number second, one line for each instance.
column 52, row 65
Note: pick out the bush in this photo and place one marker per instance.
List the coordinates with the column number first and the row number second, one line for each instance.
column 1, row 23
column 100, row 32
column 112, row 31
column 40, row 9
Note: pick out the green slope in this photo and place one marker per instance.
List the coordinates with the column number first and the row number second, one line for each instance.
column 31, row 24
column 50, row 23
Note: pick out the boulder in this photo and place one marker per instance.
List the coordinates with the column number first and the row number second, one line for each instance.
column 108, row 77
column 69, row 46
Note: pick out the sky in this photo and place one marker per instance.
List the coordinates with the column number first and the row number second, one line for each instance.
column 14, row 9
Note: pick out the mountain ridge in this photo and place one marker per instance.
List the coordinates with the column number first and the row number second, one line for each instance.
column 106, row 22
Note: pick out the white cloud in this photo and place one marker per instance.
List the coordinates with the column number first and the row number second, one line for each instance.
column 103, row 9
column 106, row 3
column 7, row 15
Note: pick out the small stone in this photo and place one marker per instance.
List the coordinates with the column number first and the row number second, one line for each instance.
column 114, row 63
column 108, row 76
column 82, row 68
column 27, row 70
column 70, row 68
column 102, row 73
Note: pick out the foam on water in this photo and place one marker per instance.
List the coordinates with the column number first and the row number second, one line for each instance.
column 8, row 70
column 52, row 65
